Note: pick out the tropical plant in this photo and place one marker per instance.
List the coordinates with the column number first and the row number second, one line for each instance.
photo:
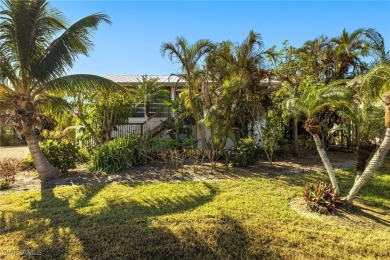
column 271, row 135
column 107, row 111
column 246, row 152
column 376, row 84
column 313, row 99
column 365, row 117
column 149, row 91
column 62, row 155
column 120, row 154
column 36, row 49
column 189, row 57
column 349, row 48
column 322, row 198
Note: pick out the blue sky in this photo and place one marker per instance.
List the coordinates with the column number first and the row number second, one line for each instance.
column 131, row 45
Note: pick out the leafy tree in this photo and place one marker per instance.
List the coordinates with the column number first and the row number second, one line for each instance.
column 36, row 49
column 107, row 111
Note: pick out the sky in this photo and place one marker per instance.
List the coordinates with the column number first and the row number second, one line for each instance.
column 131, row 45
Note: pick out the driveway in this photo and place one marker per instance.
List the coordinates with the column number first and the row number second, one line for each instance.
column 16, row 152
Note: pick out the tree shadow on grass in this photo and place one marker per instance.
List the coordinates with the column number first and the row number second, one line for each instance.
column 127, row 229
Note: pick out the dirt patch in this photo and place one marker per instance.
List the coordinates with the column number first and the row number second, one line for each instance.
column 16, row 152
column 157, row 171
column 359, row 215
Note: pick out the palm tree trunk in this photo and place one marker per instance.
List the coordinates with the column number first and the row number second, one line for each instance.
column 373, row 165
column 364, row 151
column 147, row 108
column 295, row 136
column 45, row 169
column 326, row 162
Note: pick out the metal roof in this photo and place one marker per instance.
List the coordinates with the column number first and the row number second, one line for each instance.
column 164, row 79
column 131, row 79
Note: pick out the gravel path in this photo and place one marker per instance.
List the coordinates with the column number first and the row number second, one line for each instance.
column 16, row 152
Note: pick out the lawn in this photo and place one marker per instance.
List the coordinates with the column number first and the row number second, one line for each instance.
column 248, row 217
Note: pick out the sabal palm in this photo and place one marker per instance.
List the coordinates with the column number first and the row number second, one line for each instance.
column 376, row 84
column 33, row 64
column 148, row 91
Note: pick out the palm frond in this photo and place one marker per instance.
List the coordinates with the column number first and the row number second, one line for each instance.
column 27, row 27
column 80, row 82
column 63, row 51
column 56, row 107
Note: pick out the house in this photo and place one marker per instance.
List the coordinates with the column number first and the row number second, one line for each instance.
column 138, row 124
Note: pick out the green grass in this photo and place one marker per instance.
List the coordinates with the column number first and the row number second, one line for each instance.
column 230, row 219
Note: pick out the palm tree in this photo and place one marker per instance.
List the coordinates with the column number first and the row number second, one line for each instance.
column 33, row 62
column 377, row 46
column 311, row 100
column 349, row 48
column 189, row 57
column 376, row 83
column 365, row 118
column 148, row 91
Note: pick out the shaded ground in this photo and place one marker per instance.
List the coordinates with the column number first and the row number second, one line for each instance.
column 158, row 171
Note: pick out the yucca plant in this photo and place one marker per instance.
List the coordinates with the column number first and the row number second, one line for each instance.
column 321, row 197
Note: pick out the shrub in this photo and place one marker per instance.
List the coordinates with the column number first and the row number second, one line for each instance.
column 157, row 145
column 62, row 155
column 246, row 152
column 7, row 138
column 321, row 197
column 8, row 169
column 84, row 156
column 119, row 154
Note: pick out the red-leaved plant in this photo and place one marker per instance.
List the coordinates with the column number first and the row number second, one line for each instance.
column 322, row 198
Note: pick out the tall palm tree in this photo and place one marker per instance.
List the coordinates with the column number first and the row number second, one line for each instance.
column 349, row 49
column 311, row 100
column 148, row 91
column 376, row 83
column 189, row 56
column 33, row 63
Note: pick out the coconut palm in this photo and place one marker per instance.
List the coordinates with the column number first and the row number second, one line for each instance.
column 376, row 83
column 310, row 101
column 36, row 49
column 148, row 91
